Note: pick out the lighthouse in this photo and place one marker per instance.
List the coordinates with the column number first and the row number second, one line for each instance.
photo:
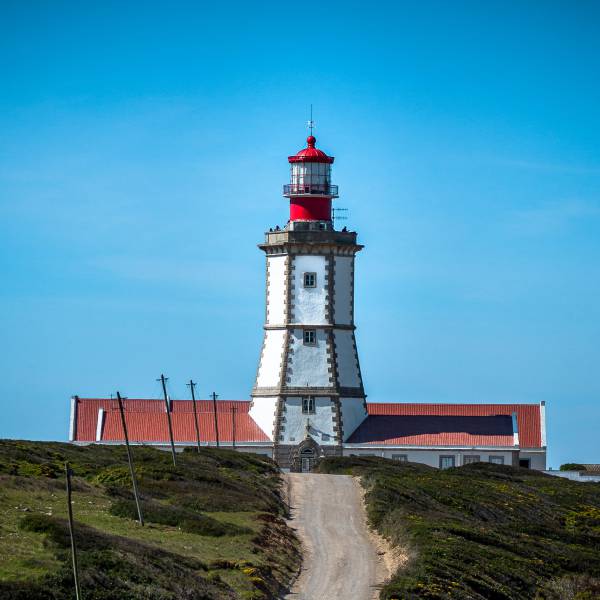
column 308, row 397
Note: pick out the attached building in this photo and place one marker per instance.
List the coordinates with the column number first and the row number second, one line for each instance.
column 440, row 435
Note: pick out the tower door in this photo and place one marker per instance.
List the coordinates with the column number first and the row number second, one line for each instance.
column 307, row 459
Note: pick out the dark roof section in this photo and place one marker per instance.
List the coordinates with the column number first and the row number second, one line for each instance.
column 428, row 430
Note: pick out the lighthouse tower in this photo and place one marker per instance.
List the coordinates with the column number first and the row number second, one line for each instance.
column 309, row 396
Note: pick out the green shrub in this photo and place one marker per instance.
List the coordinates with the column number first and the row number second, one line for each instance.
column 55, row 529
column 572, row 467
column 186, row 520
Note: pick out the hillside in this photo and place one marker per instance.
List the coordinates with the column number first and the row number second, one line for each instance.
column 214, row 525
column 483, row 531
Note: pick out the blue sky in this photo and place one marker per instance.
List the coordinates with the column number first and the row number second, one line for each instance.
column 142, row 152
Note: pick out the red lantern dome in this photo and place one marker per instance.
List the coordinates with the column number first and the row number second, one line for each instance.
column 311, row 154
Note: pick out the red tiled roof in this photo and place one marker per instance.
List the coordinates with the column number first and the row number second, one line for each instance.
column 420, row 424
column 147, row 421
column 528, row 415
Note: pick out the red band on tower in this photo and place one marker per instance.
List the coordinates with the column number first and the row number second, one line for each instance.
column 310, row 209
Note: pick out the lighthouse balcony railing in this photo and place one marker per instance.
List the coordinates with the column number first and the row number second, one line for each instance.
column 310, row 189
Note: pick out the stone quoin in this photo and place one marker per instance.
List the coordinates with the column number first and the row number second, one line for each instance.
column 308, row 398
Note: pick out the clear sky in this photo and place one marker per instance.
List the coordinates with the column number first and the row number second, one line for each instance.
column 143, row 148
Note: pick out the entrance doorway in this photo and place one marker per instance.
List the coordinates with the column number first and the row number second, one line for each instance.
column 307, row 459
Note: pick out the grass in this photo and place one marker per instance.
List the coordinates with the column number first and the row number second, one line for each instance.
column 214, row 525
column 483, row 531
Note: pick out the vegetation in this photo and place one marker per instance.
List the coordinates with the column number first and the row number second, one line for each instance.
column 483, row 531
column 572, row 467
column 214, row 525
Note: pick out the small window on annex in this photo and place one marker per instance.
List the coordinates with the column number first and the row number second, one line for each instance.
column 447, row 462
column 469, row 459
column 400, row 457
column 497, row 460
column 310, row 337
column 308, row 405
column 310, row 280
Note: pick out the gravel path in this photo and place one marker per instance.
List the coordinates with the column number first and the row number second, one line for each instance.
column 340, row 560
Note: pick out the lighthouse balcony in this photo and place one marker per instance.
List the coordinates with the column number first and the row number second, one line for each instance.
column 310, row 189
column 278, row 239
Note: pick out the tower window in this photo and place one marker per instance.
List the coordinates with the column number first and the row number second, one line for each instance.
column 308, row 405
column 310, row 279
column 310, row 337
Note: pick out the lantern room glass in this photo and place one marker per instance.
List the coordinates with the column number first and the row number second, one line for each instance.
column 310, row 177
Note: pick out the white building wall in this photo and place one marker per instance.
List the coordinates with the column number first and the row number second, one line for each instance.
column 353, row 414
column 321, row 421
column 537, row 459
column 347, row 365
column 262, row 412
column 575, row 476
column 307, row 364
column 309, row 303
column 270, row 361
column 276, row 296
column 342, row 296
column 428, row 457
column 256, row 450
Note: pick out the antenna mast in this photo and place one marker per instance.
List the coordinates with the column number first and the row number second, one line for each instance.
column 311, row 123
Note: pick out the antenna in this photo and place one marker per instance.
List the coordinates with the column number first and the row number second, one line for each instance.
column 311, row 123
column 336, row 216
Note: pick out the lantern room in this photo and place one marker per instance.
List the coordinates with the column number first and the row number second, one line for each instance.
column 310, row 190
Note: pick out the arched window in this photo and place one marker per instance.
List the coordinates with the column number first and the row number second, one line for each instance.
column 308, row 405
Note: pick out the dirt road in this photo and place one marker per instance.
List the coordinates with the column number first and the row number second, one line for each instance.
column 340, row 560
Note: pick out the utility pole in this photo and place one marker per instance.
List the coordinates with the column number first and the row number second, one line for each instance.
column 130, row 460
column 192, row 386
column 72, row 532
column 164, row 380
column 214, row 399
column 233, row 411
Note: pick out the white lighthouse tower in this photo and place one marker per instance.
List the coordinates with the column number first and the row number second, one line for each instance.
column 309, row 396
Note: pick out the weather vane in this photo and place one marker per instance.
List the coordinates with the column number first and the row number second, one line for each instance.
column 311, row 123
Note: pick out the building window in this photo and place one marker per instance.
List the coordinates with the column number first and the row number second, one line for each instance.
column 310, row 337
column 310, row 279
column 447, row 462
column 400, row 457
column 308, row 405
column 525, row 463
column 469, row 459
column 497, row 460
